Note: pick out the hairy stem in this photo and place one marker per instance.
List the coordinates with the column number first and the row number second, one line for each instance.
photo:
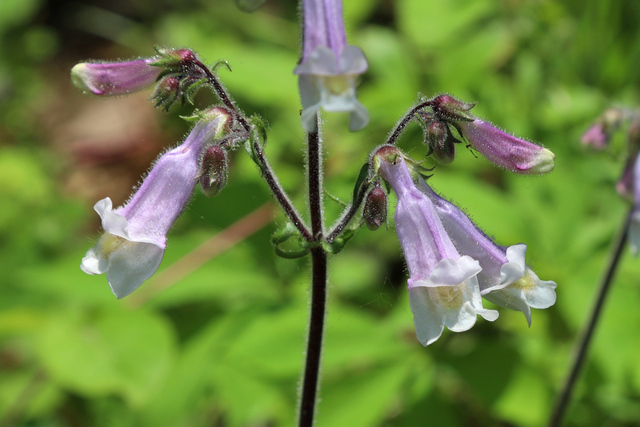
column 348, row 214
column 405, row 121
column 562, row 402
column 280, row 195
column 223, row 95
column 318, row 284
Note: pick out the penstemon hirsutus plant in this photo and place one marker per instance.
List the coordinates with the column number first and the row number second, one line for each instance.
column 452, row 263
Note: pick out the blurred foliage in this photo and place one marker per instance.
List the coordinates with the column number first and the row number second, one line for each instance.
column 223, row 346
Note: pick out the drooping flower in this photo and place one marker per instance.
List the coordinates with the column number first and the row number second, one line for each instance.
column 634, row 226
column 135, row 237
column 115, row 78
column 328, row 69
column 506, row 150
column 505, row 279
column 443, row 287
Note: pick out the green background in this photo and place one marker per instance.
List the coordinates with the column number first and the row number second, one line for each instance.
column 221, row 344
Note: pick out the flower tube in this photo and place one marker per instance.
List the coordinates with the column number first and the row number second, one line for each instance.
column 135, row 237
column 328, row 69
column 115, row 78
column 634, row 226
column 505, row 279
column 443, row 287
column 505, row 150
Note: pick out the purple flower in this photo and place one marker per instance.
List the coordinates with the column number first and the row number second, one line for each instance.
column 115, row 78
column 328, row 69
column 595, row 137
column 135, row 235
column 443, row 287
column 505, row 150
column 505, row 279
column 634, row 226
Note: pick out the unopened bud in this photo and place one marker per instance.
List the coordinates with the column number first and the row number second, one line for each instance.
column 214, row 170
column 448, row 107
column 438, row 137
column 375, row 208
column 505, row 150
column 166, row 92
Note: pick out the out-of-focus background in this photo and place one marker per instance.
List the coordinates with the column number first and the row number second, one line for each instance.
column 217, row 337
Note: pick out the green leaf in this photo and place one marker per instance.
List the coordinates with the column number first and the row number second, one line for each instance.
column 127, row 353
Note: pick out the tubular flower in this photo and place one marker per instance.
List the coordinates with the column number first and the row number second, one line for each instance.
column 505, row 150
column 505, row 279
column 634, row 226
column 443, row 287
column 328, row 70
column 135, row 235
column 115, row 78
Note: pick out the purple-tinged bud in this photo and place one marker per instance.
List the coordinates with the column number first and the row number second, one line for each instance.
column 599, row 135
column 375, row 208
column 214, row 170
column 438, row 137
column 595, row 137
column 505, row 150
column 166, row 92
column 448, row 107
column 115, row 78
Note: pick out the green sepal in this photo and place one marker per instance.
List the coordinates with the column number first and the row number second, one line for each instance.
column 197, row 115
column 221, row 63
column 283, row 235
column 362, row 177
column 191, row 90
column 339, row 242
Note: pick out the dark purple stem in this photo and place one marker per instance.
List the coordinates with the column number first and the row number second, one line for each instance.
column 581, row 352
column 318, row 284
column 405, row 121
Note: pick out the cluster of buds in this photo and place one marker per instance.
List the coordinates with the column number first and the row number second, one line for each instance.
column 176, row 73
column 452, row 263
column 599, row 136
column 444, row 114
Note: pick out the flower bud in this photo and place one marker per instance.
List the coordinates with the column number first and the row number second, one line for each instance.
column 375, row 208
column 115, row 78
column 505, row 150
column 599, row 135
column 449, row 107
column 214, row 170
column 438, row 137
column 166, row 92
